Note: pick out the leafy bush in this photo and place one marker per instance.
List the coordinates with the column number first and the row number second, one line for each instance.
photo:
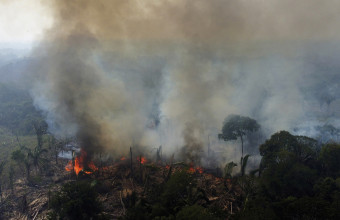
column 178, row 198
column 177, row 189
column 76, row 200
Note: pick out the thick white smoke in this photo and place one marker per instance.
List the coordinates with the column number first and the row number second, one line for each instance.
column 149, row 73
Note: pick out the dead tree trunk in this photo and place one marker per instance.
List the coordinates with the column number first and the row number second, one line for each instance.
column 131, row 162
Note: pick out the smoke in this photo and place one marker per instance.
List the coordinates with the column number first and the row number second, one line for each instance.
column 192, row 151
column 121, row 73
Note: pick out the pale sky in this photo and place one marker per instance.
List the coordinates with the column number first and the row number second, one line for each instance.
column 23, row 21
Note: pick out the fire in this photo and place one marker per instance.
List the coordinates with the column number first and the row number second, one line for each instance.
column 199, row 170
column 92, row 166
column 142, row 160
column 216, row 178
column 123, row 158
column 69, row 166
column 79, row 164
column 193, row 170
column 105, row 168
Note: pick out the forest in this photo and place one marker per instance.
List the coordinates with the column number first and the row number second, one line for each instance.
column 173, row 109
column 297, row 177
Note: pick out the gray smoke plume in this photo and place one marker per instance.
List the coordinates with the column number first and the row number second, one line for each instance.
column 149, row 73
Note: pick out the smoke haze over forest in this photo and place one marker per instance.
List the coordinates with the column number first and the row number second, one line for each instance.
column 149, row 73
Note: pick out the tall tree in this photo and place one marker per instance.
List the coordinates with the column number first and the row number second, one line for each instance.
column 40, row 130
column 236, row 126
column 288, row 165
column 56, row 145
column 36, row 154
column 284, row 146
column 329, row 158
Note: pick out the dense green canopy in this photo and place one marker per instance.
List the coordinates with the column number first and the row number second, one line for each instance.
column 236, row 126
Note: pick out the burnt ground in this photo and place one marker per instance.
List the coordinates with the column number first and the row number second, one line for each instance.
column 117, row 183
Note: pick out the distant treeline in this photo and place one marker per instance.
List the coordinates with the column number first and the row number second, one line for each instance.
column 17, row 112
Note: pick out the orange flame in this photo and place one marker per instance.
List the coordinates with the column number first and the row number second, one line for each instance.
column 92, row 166
column 142, row 160
column 193, row 170
column 199, row 170
column 79, row 164
column 105, row 168
column 122, row 158
column 69, row 166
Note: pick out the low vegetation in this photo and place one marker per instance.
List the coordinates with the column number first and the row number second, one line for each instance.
column 298, row 178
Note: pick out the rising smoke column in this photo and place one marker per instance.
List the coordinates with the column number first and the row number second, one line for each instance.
column 81, row 98
column 109, row 67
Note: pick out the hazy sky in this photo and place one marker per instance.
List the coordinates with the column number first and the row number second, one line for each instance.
column 23, row 21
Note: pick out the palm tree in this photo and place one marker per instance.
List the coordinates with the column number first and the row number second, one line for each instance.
column 21, row 156
column 36, row 155
column 228, row 169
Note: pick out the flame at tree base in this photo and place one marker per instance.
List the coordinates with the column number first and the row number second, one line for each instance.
column 141, row 160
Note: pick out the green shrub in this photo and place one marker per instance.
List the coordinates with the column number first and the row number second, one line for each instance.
column 194, row 212
column 167, row 201
column 176, row 190
column 76, row 200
